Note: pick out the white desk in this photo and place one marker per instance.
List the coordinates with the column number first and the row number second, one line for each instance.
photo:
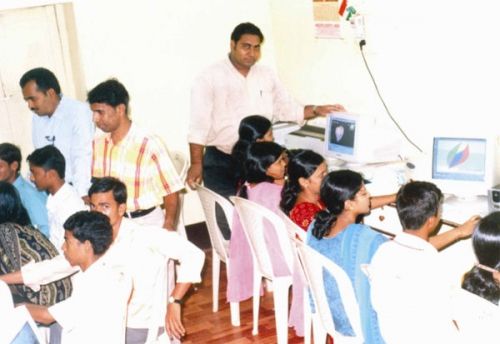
column 457, row 258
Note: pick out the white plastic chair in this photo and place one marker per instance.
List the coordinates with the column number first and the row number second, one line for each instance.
column 314, row 263
column 220, row 246
column 252, row 216
column 294, row 232
column 293, row 229
column 181, row 166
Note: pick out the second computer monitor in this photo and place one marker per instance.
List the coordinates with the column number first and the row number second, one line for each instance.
column 359, row 139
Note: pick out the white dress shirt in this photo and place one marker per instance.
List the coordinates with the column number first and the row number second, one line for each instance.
column 61, row 205
column 71, row 130
column 221, row 97
column 97, row 309
column 476, row 317
column 143, row 252
column 412, row 301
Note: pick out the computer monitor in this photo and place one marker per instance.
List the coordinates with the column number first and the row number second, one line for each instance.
column 465, row 167
column 359, row 139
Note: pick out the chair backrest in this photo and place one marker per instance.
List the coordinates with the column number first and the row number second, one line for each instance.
column 293, row 229
column 208, row 200
column 252, row 216
column 314, row 264
column 181, row 166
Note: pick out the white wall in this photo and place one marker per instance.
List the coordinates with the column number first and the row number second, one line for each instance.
column 156, row 48
column 436, row 64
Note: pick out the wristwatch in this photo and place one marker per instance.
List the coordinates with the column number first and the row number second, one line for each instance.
column 172, row 299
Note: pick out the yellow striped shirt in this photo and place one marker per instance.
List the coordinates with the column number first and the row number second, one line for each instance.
column 142, row 162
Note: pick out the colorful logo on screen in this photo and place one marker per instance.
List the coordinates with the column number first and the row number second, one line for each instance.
column 458, row 155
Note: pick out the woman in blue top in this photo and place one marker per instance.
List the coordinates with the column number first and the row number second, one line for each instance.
column 338, row 235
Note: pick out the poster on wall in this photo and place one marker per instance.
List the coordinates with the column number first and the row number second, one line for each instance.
column 338, row 19
column 327, row 15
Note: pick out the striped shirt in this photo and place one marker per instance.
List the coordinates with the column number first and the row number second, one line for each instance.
column 141, row 161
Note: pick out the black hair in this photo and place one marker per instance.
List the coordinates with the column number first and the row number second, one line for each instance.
column 92, row 226
column 10, row 153
column 301, row 164
column 260, row 156
column 48, row 158
column 105, row 184
column 11, row 207
column 110, row 92
column 486, row 244
column 44, row 79
column 246, row 29
column 251, row 129
column 416, row 202
column 337, row 187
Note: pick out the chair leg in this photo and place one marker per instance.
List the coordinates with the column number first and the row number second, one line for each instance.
column 215, row 281
column 319, row 331
column 235, row 313
column 280, row 296
column 307, row 318
column 257, row 279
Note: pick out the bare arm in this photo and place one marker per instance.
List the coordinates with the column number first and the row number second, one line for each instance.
column 447, row 238
column 380, row 201
column 170, row 203
column 173, row 321
column 15, row 277
column 195, row 172
column 40, row 314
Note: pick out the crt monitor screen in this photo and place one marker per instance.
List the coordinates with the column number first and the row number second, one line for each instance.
column 342, row 133
column 462, row 159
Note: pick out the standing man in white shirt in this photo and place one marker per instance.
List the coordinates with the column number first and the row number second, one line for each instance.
column 47, row 167
column 143, row 251
column 96, row 311
column 60, row 121
column 412, row 301
column 223, row 95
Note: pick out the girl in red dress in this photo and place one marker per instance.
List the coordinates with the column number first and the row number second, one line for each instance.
column 300, row 196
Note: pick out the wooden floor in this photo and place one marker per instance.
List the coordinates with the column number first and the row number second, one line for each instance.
column 204, row 326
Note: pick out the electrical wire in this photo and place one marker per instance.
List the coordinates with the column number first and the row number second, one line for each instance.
column 362, row 43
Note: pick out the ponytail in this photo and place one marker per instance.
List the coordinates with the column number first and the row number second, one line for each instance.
column 324, row 221
column 243, row 193
column 482, row 283
column 336, row 188
column 289, row 195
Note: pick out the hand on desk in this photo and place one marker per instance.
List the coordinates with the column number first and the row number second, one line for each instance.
column 467, row 228
column 323, row 110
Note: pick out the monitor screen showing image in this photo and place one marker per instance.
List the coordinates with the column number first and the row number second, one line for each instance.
column 459, row 159
column 342, row 135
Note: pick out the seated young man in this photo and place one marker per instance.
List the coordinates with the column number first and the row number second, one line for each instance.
column 33, row 200
column 143, row 252
column 47, row 166
column 96, row 311
column 412, row 301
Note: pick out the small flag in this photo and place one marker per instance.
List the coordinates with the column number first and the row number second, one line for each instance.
column 342, row 7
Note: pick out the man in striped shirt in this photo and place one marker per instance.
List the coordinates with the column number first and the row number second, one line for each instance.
column 135, row 156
